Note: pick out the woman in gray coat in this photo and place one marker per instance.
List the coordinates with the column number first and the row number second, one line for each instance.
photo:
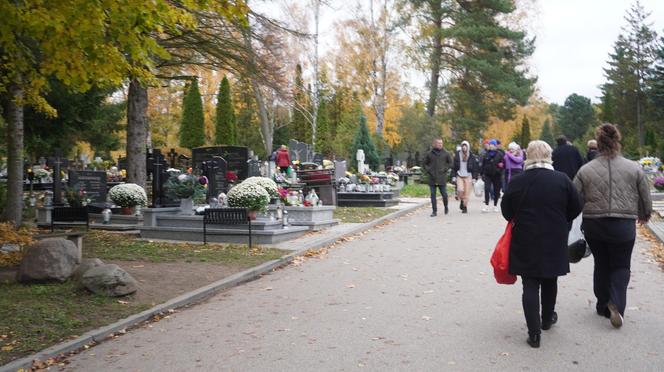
column 616, row 194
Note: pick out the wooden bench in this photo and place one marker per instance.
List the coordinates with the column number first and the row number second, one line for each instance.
column 226, row 216
column 70, row 216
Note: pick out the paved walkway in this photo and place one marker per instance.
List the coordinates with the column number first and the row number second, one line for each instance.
column 416, row 295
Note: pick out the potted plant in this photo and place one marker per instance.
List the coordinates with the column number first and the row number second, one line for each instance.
column 186, row 187
column 249, row 195
column 266, row 183
column 128, row 196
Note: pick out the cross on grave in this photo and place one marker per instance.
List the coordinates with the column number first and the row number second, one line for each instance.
column 57, row 181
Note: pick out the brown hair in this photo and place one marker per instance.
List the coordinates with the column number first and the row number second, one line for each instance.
column 608, row 140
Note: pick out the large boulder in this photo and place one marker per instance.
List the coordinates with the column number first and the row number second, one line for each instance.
column 47, row 260
column 109, row 280
column 86, row 264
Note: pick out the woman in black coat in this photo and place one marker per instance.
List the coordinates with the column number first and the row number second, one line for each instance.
column 542, row 203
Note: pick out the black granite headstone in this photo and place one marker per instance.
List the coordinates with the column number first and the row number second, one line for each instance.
column 202, row 154
column 236, row 158
column 254, row 168
column 93, row 182
column 215, row 170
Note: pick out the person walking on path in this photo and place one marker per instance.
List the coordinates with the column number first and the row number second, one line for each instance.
column 283, row 158
column 437, row 163
column 566, row 158
column 513, row 162
column 616, row 193
column 540, row 202
column 491, row 169
column 465, row 173
column 592, row 150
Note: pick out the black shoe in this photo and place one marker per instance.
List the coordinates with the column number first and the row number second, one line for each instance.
column 465, row 210
column 603, row 311
column 546, row 325
column 434, row 214
column 615, row 317
column 461, row 205
column 447, row 210
column 534, row 341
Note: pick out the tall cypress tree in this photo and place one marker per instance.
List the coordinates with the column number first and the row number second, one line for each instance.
column 363, row 141
column 192, row 128
column 525, row 132
column 546, row 135
column 226, row 126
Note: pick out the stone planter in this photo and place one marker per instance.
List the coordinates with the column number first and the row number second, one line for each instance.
column 315, row 218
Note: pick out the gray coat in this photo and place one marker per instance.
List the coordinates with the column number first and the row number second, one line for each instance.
column 614, row 187
column 437, row 166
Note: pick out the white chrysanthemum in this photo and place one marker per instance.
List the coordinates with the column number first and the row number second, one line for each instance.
column 269, row 185
column 249, row 195
column 128, row 195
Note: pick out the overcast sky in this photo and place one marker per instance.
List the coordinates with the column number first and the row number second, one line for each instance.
column 574, row 39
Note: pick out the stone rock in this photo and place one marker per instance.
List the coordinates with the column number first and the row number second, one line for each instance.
column 48, row 259
column 109, row 280
column 86, row 264
column 10, row 248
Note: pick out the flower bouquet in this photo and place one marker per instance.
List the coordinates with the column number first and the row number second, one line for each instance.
column 658, row 183
column 185, row 186
column 76, row 196
column 249, row 195
column 650, row 164
column 128, row 195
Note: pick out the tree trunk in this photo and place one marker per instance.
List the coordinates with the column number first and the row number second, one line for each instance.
column 315, row 98
column 267, row 126
column 137, row 125
column 13, row 114
column 436, row 55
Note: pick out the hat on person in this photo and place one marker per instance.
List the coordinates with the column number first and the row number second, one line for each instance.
column 493, row 142
column 513, row 146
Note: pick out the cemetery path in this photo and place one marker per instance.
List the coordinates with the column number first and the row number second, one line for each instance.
column 417, row 294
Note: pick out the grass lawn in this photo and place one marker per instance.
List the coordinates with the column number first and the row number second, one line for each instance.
column 420, row 190
column 360, row 214
column 108, row 246
column 34, row 317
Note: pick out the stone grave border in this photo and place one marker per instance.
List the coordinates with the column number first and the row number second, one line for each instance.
column 99, row 335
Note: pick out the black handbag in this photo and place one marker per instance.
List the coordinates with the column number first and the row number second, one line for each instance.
column 578, row 250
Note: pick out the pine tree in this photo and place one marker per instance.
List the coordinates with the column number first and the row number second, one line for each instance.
column 546, row 135
column 363, row 141
column 192, row 129
column 226, row 126
column 525, row 132
column 656, row 85
column 576, row 116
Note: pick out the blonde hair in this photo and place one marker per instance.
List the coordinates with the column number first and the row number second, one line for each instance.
column 592, row 144
column 538, row 152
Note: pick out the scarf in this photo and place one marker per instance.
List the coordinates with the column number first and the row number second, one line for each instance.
column 540, row 164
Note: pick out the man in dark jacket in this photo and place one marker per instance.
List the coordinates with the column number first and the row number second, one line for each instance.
column 437, row 163
column 566, row 158
column 492, row 164
column 592, row 150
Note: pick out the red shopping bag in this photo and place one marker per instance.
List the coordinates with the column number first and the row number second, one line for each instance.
column 500, row 259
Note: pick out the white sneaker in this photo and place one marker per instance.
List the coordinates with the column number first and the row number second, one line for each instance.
column 485, row 209
column 496, row 209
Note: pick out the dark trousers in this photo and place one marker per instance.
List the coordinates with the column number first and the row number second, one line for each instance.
column 443, row 192
column 531, row 301
column 489, row 183
column 612, row 271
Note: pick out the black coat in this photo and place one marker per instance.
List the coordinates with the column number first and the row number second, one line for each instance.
column 491, row 164
column 437, row 164
column 473, row 164
column 592, row 154
column 539, row 235
column 567, row 159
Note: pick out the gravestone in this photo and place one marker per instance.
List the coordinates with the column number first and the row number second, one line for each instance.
column 254, row 168
column 93, row 182
column 237, row 157
column 339, row 169
column 203, row 154
column 184, row 161
column 122, row 163
column 300, row 151
column 318, row 159
column 159, row 179
column 215, row 170
column 58, row 165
